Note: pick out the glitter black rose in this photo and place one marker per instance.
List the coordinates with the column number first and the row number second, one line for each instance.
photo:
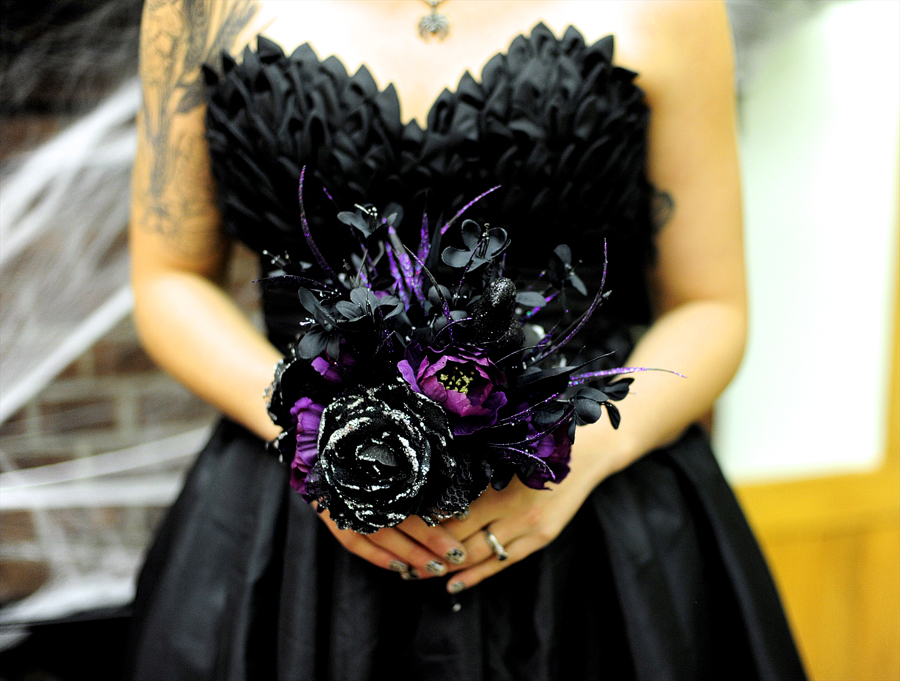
column 383, row 456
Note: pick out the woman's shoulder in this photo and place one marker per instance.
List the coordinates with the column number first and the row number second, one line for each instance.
column 670, row 44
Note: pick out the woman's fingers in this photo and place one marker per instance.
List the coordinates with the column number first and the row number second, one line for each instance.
column 447, row 548
column 521, row 521
column 421, row 561
column 399, row 551
column 358, row 544
column 516, row 550
column 479, row 548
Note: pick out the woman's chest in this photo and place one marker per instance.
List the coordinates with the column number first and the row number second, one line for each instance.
column 384, row 36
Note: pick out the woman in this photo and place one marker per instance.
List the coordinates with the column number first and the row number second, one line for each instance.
column 639, row 564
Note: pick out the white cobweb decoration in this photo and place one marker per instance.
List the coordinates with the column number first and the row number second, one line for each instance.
column 64, row 283
column 63, row 261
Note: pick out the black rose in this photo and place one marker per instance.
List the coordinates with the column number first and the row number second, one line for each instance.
column 383, row 456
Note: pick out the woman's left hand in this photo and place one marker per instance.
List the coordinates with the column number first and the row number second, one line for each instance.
column 522, row 519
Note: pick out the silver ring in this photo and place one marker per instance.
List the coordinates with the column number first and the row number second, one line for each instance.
column 495, row 545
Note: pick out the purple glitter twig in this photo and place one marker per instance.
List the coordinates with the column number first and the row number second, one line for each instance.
column 525, row 413
column 534, row 457
column 548, row 299
column 586, row 316
column 477, row 248
column 424, row 241
column 317, row 254
column 575, row 329
column 444, row 304
column 397, row 276
column 466, row 207
column 581, row 378
column 309, row 283
column 406, row 266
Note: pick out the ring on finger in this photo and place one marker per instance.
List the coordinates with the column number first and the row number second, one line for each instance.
column 495, row 545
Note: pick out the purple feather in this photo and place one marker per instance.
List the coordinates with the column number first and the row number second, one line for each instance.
column 444, row 304
column 581, row 378
column 424, row 241
column 397, row 277
column 317, row 254
column 466, row 207
column 406, row 266
column 585, row 317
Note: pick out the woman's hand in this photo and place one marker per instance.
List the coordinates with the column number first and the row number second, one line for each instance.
column 412, row 548
column 525, row 520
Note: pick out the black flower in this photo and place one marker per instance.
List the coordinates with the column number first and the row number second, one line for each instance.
column 383, row 456
column 481, row 246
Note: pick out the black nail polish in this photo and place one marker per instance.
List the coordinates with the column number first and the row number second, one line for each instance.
column 410, row 575
column 436, row 568
column 397, row 566
column 456, row 556
column 456, row 587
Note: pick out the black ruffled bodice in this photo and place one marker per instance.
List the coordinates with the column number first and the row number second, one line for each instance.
column 553, row 121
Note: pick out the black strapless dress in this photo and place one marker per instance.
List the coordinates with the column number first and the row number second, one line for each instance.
column 657, row 577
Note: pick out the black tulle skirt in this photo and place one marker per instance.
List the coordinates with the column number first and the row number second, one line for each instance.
column 657, row 577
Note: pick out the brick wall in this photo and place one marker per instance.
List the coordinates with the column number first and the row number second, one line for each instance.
column 110, row 398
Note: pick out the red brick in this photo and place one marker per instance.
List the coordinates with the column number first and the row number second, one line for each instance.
column 17, row 424
column 16, row 526
column 109, row 518
column 80, row 367
column 21, row 578
column 121, row 358
column 78, row 415
column 177, row 406
column 24, row 131
column 35, row 459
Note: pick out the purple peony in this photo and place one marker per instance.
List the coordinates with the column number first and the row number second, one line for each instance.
column 463, row 381
column 555, row 450
column 306, row 415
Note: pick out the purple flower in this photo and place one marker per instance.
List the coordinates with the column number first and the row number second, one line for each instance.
column 555, row 449
column 332, row 371
column 306, row 415
column 462, row 380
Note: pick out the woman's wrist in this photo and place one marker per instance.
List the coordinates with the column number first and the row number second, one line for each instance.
column 600, row 451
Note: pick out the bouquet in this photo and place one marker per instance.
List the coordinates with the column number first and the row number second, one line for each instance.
column 420, row 377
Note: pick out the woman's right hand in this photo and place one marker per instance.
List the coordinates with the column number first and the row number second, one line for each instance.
column 412, row 548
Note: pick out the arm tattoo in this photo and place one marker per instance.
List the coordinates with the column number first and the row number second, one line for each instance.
column 186, row 34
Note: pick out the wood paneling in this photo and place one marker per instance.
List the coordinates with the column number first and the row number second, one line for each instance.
column 834, row 547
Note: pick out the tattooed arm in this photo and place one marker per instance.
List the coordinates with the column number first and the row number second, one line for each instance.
column 186, row 322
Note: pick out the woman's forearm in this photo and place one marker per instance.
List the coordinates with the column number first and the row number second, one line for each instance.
column 704, row 340
column 193, row 330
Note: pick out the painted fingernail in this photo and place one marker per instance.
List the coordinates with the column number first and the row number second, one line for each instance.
column 436, row 568
column 397, row 566
column 462, row 515
column 456, row 556
column 456, row 587
column 409, row 575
